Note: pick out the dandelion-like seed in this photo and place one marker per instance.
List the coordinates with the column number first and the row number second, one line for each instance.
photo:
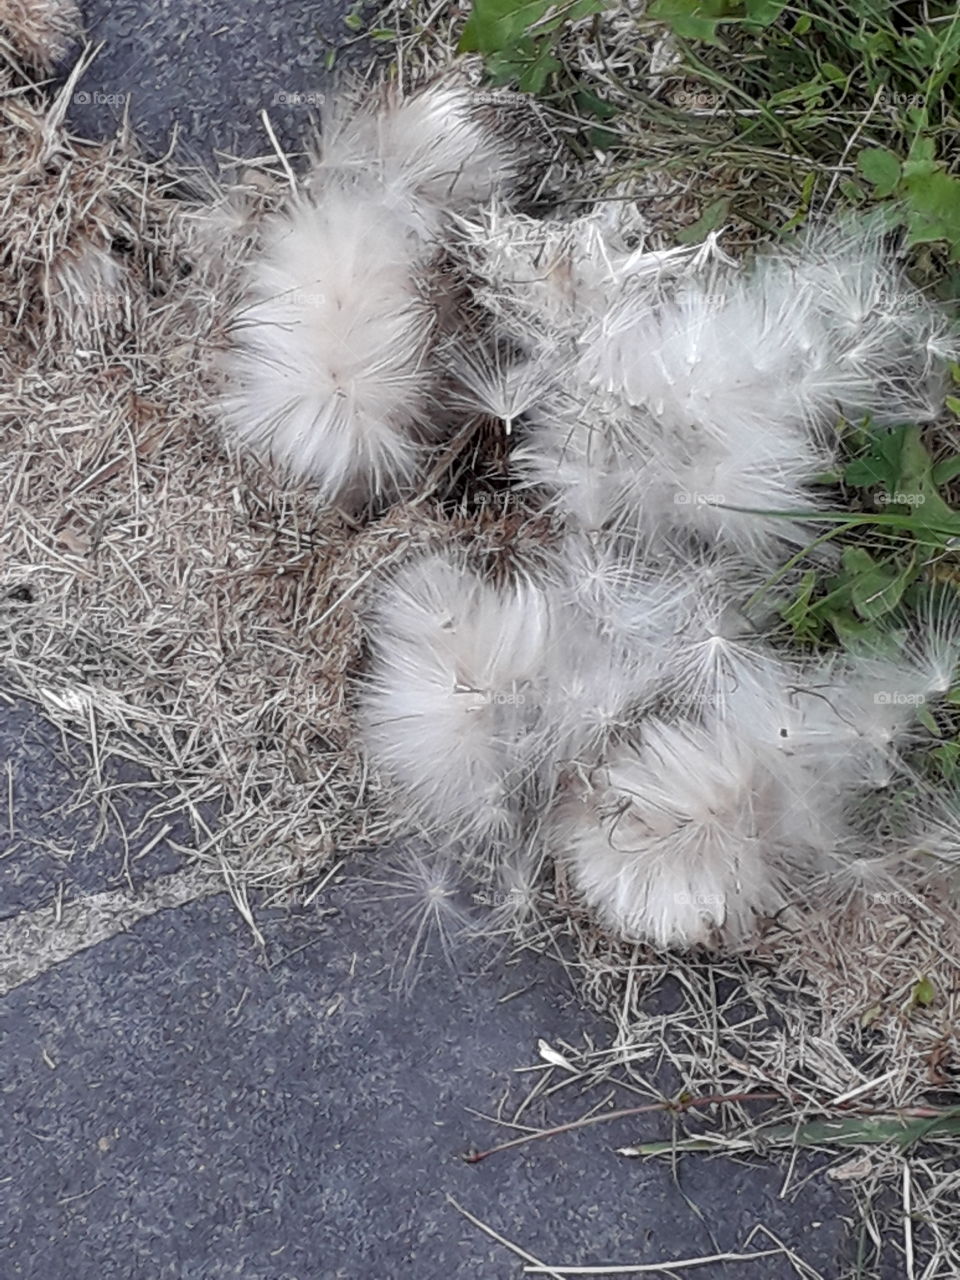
column 425, row 894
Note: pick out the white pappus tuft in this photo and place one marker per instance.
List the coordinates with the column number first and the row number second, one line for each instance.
column 621, row 709
column 425, row 893
column 683, row 837
column 445, row 710
column 445, row 149
column 886, row 345
column 478, row 695
column 708, row 404
column 328, row 371
column 544, row 282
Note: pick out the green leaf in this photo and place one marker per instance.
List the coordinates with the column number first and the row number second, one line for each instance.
column 879, row 591
column 947, row 758
column 933, row 209
column 797, row 612
column 809, row 91
column 924, row 993
column 763, row 13
column 869, row 472
column 881, row 168
column 534, row 77
column 923, row 150
column 916, row 483
column 852, row 634
column 691, row 19
column 591, row 105
column 928, row 720
column 857, row 562
column 833, row 73
column 713, row 216
column 496, row 25
column 516, row 37
column 949, row 468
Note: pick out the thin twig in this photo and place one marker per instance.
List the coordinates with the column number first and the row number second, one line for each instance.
column 474, row 1157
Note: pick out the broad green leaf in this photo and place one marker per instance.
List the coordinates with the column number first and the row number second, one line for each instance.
column 590, row 104
column 915, row 481
column 833, row 73
column 712, row 217
column 854, row 635
column 923, row 149
column 496, row 25
column 929, row 721
column 947, row 757
column 949, row 468
column 534, row 77
column 691, row 19
column 881, row 168
column 868, row 472
column 933, row 209
column 764, row 12
column 880, row 590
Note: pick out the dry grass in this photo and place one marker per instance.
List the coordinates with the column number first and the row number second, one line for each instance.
column 40, row 32
column 168, row 603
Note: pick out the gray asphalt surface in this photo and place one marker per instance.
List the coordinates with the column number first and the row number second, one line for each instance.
column 210, row 69
column 177, row 1101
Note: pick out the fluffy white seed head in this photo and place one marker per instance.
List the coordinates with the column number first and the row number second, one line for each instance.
column 619, row 472
column 877, row 705
column 924, row 644
column 594, row 688
column 826, row 325
column 887, row 345
column 700, row 404
column 491, row 381
column 714, row 652
column 706, row 354
column 571, row 452
column 846, row 721
column 545, row 282
column 737, row 487
column 329, row 366
column 447, row 149
column 679, row 839
column 445, row 709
